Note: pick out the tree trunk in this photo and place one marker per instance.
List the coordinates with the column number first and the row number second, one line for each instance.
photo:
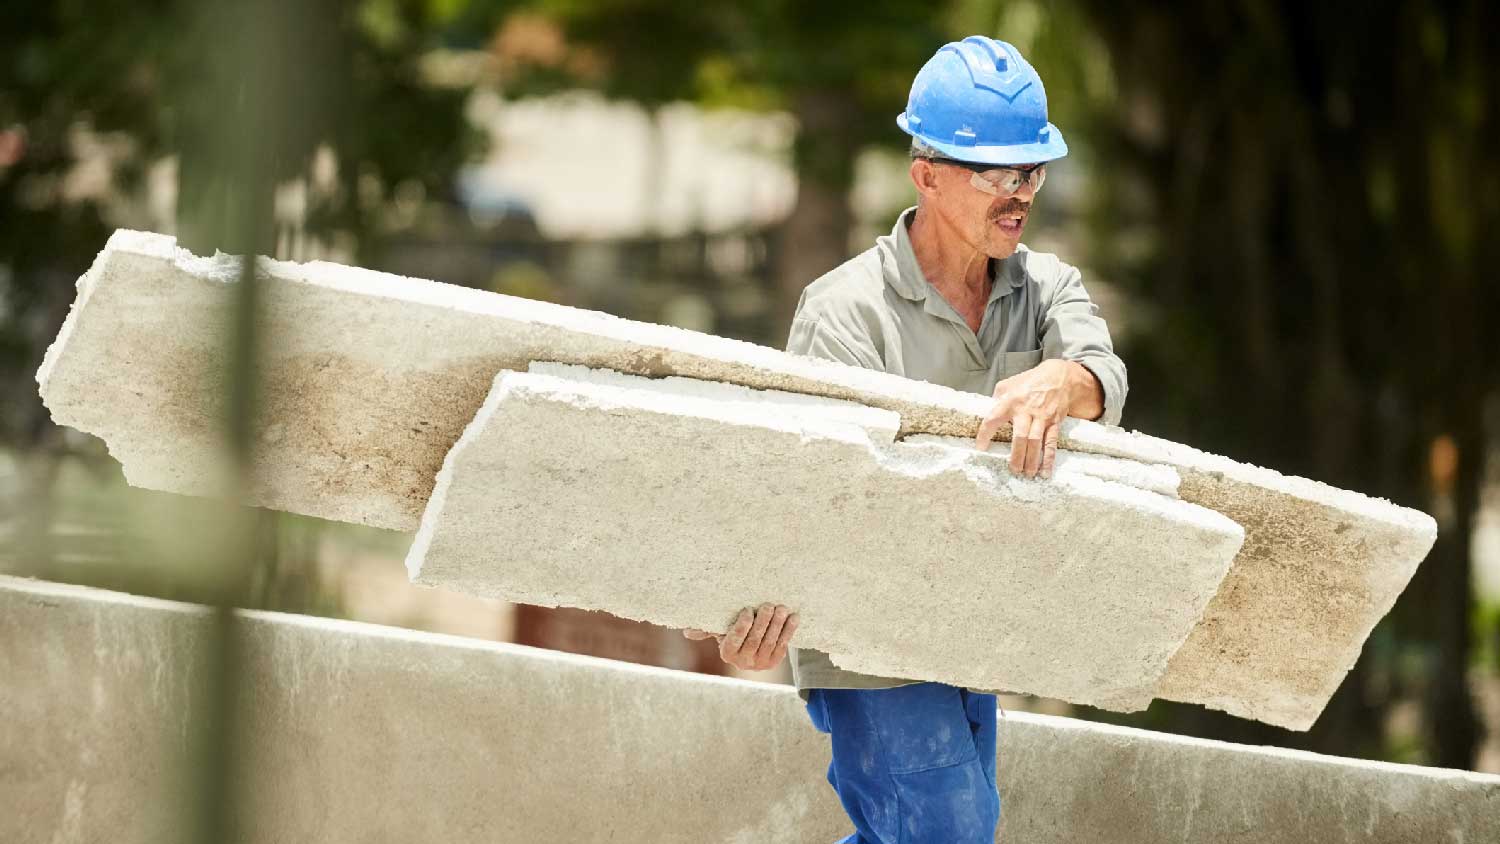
column 815, row 236
column 1454, row 724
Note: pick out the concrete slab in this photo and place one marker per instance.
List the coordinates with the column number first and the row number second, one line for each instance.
column 592, row 489
column 368, row 377
column 360, row 733
column 1319, row 568
column 371, row 377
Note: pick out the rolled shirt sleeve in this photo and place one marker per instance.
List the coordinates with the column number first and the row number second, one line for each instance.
column 1073, row 330
column 827, row 325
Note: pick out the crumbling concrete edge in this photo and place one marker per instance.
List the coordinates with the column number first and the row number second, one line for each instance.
column 1148, row 488
column 656, row 350
column 1094, row 438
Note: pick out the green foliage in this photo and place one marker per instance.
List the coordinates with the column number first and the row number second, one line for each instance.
column 167, row 78
column 768, row 54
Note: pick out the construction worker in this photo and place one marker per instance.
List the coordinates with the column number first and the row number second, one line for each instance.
column 950, row 296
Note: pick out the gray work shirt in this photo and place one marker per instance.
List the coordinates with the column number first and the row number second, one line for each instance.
column 877, row 310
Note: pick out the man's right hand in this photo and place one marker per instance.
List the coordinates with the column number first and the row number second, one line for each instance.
column 758, row 640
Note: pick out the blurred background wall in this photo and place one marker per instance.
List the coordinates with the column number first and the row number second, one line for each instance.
column 1287, row 212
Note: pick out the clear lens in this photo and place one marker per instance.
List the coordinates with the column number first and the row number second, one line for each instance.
column 1005, row 181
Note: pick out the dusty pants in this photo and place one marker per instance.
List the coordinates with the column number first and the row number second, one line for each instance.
column 912, row 764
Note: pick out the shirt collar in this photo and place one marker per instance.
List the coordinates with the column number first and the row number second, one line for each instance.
column 904, row 274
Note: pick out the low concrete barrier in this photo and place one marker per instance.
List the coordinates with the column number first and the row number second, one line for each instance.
column 358, row 733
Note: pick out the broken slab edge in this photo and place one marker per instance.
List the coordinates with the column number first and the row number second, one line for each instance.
column 1135, row 445
column 871, row 431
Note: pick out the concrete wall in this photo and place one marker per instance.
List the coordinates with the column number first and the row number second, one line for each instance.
column 360, row 733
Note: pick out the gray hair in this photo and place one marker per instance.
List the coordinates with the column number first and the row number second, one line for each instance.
column 921, row 150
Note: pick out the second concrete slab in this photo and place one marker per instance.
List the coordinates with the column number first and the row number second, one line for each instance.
column 926, row 560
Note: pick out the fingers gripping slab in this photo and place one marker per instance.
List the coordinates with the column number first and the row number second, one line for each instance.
column 758, row 639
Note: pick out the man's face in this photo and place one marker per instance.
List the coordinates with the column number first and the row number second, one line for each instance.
column 970, row 203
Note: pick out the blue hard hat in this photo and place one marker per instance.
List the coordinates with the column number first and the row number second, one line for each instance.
column 978, row 100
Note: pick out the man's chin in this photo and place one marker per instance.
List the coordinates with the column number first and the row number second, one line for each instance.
column 1002, row 242
column 1000, row 248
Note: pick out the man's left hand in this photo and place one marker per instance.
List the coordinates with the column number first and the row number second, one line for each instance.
column 1036, row 402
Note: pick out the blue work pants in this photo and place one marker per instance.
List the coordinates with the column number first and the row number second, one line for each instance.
column 912, row 764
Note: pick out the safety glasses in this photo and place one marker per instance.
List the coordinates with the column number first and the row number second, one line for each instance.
column 1000, row 181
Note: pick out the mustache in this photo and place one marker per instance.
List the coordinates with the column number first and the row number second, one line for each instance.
column 1012, row 206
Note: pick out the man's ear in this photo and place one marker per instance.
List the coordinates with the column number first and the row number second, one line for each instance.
column 924, row 176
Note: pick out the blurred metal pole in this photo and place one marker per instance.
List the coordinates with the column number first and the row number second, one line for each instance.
column 234, row 131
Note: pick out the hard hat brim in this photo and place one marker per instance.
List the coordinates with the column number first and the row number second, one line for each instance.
column 1001, row 154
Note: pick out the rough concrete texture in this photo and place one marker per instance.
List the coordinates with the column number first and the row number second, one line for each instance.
column 1319, row 567
column 357, row 733
column 368, row 378
column 1068, row 780
column 367, row 389
column 593, row 489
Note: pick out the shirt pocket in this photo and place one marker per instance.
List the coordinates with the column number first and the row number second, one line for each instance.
column 1014, row 363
